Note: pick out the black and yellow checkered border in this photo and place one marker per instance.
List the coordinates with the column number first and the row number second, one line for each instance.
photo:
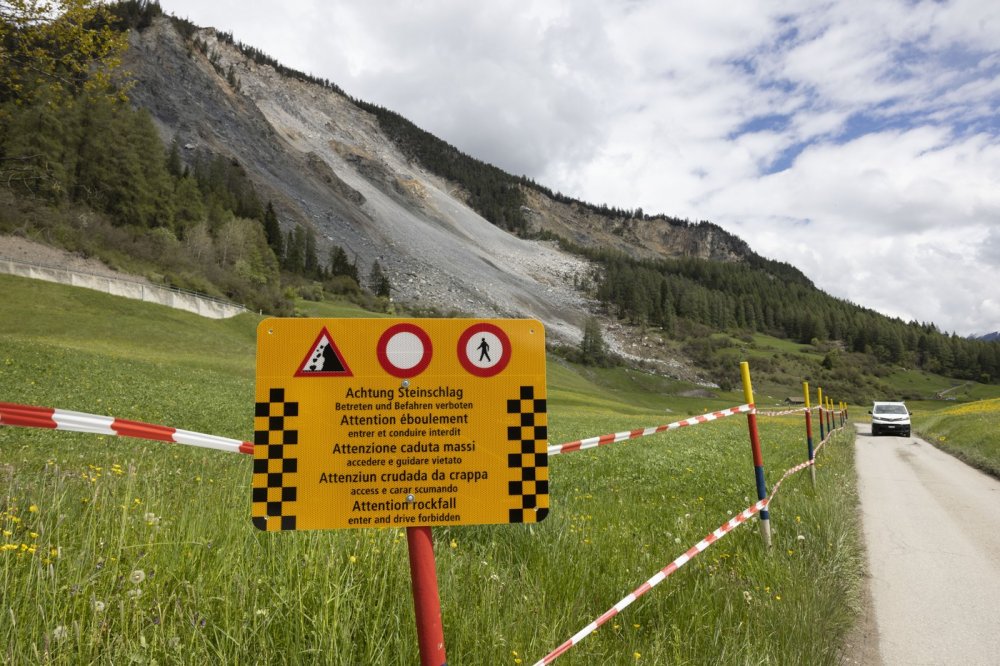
column 274, row 459
column 529, row 437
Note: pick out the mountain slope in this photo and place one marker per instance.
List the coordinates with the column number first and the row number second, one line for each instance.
column 324, row 162
column 327, row 163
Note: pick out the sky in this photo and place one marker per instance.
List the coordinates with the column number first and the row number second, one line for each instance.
column 858, row 140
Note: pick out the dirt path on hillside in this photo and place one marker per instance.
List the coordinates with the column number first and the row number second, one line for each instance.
column 932, row 530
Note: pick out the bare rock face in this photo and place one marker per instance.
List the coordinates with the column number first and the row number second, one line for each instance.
column 323, row 162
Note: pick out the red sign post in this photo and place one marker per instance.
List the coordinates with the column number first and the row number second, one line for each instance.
column 426, row 600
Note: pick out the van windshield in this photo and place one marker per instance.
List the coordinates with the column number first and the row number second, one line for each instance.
column 890, row 409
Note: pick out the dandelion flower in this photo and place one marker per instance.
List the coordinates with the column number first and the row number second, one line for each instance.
column 33, row 508
column 637, row 655
column 137, row 576
column 352, row 559
column 453, row 544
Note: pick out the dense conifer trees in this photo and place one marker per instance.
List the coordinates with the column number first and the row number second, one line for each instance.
column 773, row 298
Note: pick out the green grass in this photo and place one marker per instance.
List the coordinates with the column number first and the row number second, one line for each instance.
column 968, row 431
column 120, row 551
column 918, row 382
column 121, row 328
column 332, row 309
column 769, row 343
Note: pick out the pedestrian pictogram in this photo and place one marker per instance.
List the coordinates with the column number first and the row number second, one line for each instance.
column 324, row 359
column 484, row 350
column 404, row 350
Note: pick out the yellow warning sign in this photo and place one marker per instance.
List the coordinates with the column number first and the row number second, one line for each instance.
column 397, row 423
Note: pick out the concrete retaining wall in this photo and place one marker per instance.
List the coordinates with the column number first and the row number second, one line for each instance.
column 206, row 306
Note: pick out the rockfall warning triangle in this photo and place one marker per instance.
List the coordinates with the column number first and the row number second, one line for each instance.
column 324, row 359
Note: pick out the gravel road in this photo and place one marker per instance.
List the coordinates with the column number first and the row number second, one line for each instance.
column 932, row 529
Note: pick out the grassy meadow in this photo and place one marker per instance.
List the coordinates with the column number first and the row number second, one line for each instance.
column 121, row 551
column 969, row 431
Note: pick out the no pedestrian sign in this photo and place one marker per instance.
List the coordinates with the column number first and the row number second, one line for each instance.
column 393, row 422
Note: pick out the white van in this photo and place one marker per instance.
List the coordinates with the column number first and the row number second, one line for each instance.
column 890, row 417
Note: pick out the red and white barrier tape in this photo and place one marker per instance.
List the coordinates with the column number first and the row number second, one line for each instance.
column 658, row 578
column 798, row 410
column 592, row 442
column 61, row 419
column 662, row 574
